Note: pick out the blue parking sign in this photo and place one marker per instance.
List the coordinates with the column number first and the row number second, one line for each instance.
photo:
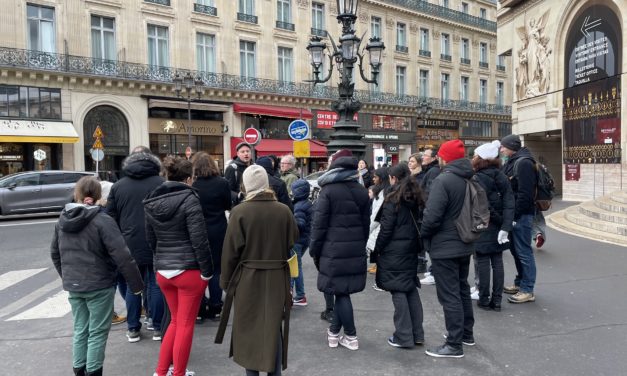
column 298, row 130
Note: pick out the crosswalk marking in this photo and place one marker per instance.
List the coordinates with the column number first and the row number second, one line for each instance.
column 16, row 276
column 53, row 307
column 27, row 299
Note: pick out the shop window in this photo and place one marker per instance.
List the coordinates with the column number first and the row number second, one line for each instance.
column 505, row 129
column 396, row 123
column 477, row 128
column 30, row 102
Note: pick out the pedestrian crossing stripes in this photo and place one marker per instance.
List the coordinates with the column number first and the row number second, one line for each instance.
column 15, row 276
column 53, row 307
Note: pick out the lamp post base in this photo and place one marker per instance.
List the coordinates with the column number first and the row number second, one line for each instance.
column 346, row 134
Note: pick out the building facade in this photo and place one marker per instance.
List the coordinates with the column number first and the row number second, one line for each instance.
column 567, row 82
column 68, row 66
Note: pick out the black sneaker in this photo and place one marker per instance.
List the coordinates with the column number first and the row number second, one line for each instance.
column 445, row 351
column 468, row 341
column 156, row 335
column 393, row 343
column 327, row 315
column 133, row 335
column 485, row 307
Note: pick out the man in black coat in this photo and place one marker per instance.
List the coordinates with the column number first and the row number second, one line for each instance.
column 276, row 184
column 521, row 171
column 124, row 204
column 235, row 169
column 450, row 256
column 430, row 170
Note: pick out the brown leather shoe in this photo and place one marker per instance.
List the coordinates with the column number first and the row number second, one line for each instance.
column 117, row 319
column 522, row 297
column 372, row 269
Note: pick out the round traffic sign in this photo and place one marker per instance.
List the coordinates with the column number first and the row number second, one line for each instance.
column 188, row 152
column 298, row 130
column 252, row 136
column 97, row 154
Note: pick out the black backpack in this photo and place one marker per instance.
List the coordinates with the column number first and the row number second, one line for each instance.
column 545, row 186
column 474, row 218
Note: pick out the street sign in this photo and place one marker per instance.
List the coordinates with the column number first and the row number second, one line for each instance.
column 302, row 149
column 39, row 155
column 97, row 155
column 252, row 136
column 188, row 152
column 298, row 130
column 98, row 133
column 97, row 144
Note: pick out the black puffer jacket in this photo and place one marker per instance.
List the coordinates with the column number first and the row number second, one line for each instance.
column 124, row 203
column 88, row 249
column 339, row 229
column 397, row 247
column 431, row 171
column 233, row 174
column 302, row 211
column 442, row 209
column 278, row 186
column 176, row 229
column 501, row 199
column 524, row 183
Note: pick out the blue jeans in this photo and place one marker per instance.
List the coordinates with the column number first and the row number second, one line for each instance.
column 298, row 283
column 154, row 297
column 523, row 254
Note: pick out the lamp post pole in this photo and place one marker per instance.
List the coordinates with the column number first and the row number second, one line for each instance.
column 424, row 111
column 189, row 84
column 345, row 56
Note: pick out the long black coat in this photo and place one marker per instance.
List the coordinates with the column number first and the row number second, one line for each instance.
column 397, row 248
column 340, row 229
column 501, row 198
column 524, row 183
column 445, row 202
column 125, row 205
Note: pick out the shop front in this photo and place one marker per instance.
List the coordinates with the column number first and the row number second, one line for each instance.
column 434, row 132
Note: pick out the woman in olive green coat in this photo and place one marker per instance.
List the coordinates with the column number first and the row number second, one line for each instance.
column 256, row 277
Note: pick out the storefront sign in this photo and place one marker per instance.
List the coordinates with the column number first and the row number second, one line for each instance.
column 392, row 148
column 475, row 142
column 435, row 137
column 177, row 126
column 439, row 124
column 386, row 122
column 327, row 119
column 380, row 136
column 10, row 157
column 39, row 155
column 572, row 171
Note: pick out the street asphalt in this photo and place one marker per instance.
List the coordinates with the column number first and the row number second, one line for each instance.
column 577, row 326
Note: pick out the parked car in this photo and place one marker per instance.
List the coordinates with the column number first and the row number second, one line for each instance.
column 37, row 191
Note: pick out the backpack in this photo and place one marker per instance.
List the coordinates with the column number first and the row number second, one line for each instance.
column 474, row 218
column 545, row 185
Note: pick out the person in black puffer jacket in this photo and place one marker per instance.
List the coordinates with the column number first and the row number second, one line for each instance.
column 338, row 242
column 490, row 246
column 397, row 248
column 276, row 184
column 87, row 248
column 176, row 230
column 124, row 204
column 302, row 214
column 235, row 169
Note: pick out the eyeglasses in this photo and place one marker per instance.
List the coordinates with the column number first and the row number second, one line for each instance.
column 285, row 163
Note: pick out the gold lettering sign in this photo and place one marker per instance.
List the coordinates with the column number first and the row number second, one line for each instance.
column 178, row 126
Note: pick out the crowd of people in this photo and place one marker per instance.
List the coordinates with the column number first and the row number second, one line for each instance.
column 181, row 244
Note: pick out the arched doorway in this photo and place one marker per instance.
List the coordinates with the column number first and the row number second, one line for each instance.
column 114, row 126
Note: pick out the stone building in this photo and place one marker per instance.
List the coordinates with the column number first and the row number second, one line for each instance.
column 68, row 66
column 567, row 84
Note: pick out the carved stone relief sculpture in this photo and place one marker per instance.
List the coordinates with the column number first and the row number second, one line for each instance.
column 533, row 75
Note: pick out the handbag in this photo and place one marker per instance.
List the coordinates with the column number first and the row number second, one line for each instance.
column 293, row 264
column 420, row 246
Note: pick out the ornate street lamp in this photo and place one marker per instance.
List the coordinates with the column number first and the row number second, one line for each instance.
column 424, row 111
column 189, row 84
column 346, row 135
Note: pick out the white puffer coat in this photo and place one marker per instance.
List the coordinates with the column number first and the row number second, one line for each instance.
column 377, row 203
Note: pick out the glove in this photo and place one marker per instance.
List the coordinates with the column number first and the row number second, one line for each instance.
column 502, row 237
column 514, row 224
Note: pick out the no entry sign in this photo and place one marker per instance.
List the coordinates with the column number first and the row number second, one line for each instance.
column 252, row 136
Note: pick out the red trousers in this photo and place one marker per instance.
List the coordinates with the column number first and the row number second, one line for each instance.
column 183, row 294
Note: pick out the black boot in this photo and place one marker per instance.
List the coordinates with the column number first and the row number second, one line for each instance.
column 79, row 371
column 97, row 372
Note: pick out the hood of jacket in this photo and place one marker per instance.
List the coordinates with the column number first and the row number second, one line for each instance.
column 300, row 189
column 75, row 217
column 460, row 167
column 522, row 153
column 337, row 175
column 240, row 163
column 429, row 166
column 141, row 165
column 164, row 201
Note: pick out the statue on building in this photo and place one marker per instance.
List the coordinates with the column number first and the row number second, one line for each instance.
column 533, row 71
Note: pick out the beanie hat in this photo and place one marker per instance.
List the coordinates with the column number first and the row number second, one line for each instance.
column 255, row 180
column 265, row 162
column 512, row 142
column 489, row 150
column 240, row 145
column 452, row 150
column 341, row 153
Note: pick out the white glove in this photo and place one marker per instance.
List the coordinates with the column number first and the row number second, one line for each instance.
column 514, row 224
column 502, row 237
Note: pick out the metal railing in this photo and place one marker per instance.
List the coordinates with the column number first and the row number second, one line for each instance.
column 285, row 25
column 445, row 57
column 403, row 49
column 483, row 64
column 247, row 17
column 319, row 32
column 463, row 60
column 424, row 6
column 115, row 69
column 424, row 53
column 206, row 9
column 160, row 2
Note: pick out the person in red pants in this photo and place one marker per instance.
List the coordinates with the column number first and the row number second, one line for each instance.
column 176, row 231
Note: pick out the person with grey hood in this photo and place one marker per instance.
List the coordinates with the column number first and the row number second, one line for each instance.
column 124, row 204
column 87, row 250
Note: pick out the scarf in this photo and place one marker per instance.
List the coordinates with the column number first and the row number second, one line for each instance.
column 338, row 175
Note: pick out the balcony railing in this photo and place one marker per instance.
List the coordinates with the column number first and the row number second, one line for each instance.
column 425, row 7
column 445, row 57
column 246, row 17
column 319, row 32
column 483, row 64
column 160, row 2
column 206, row 9
column 424, row 53
column 115, row 69
column 403, row 49
column 285, row 25
column 463, row 60
column 500, row 68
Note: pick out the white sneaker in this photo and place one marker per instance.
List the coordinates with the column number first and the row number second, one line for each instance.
column 350, row 342
column 171, row 372
column 473, row 289
column 428, row 280
column 377, row 288
column 474, row 295
column 333, row 339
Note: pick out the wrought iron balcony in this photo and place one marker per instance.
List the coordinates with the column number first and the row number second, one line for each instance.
column 246, row 17
column 424, row 53
column 319, row 32
column 483, row 64
column 206, row 9
column 160, row 2
column 500, row 68
column 403, row 49
column 423, row 6
column 285, row 25
column 114, row 69
column 463, row 60
column 445, row 57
